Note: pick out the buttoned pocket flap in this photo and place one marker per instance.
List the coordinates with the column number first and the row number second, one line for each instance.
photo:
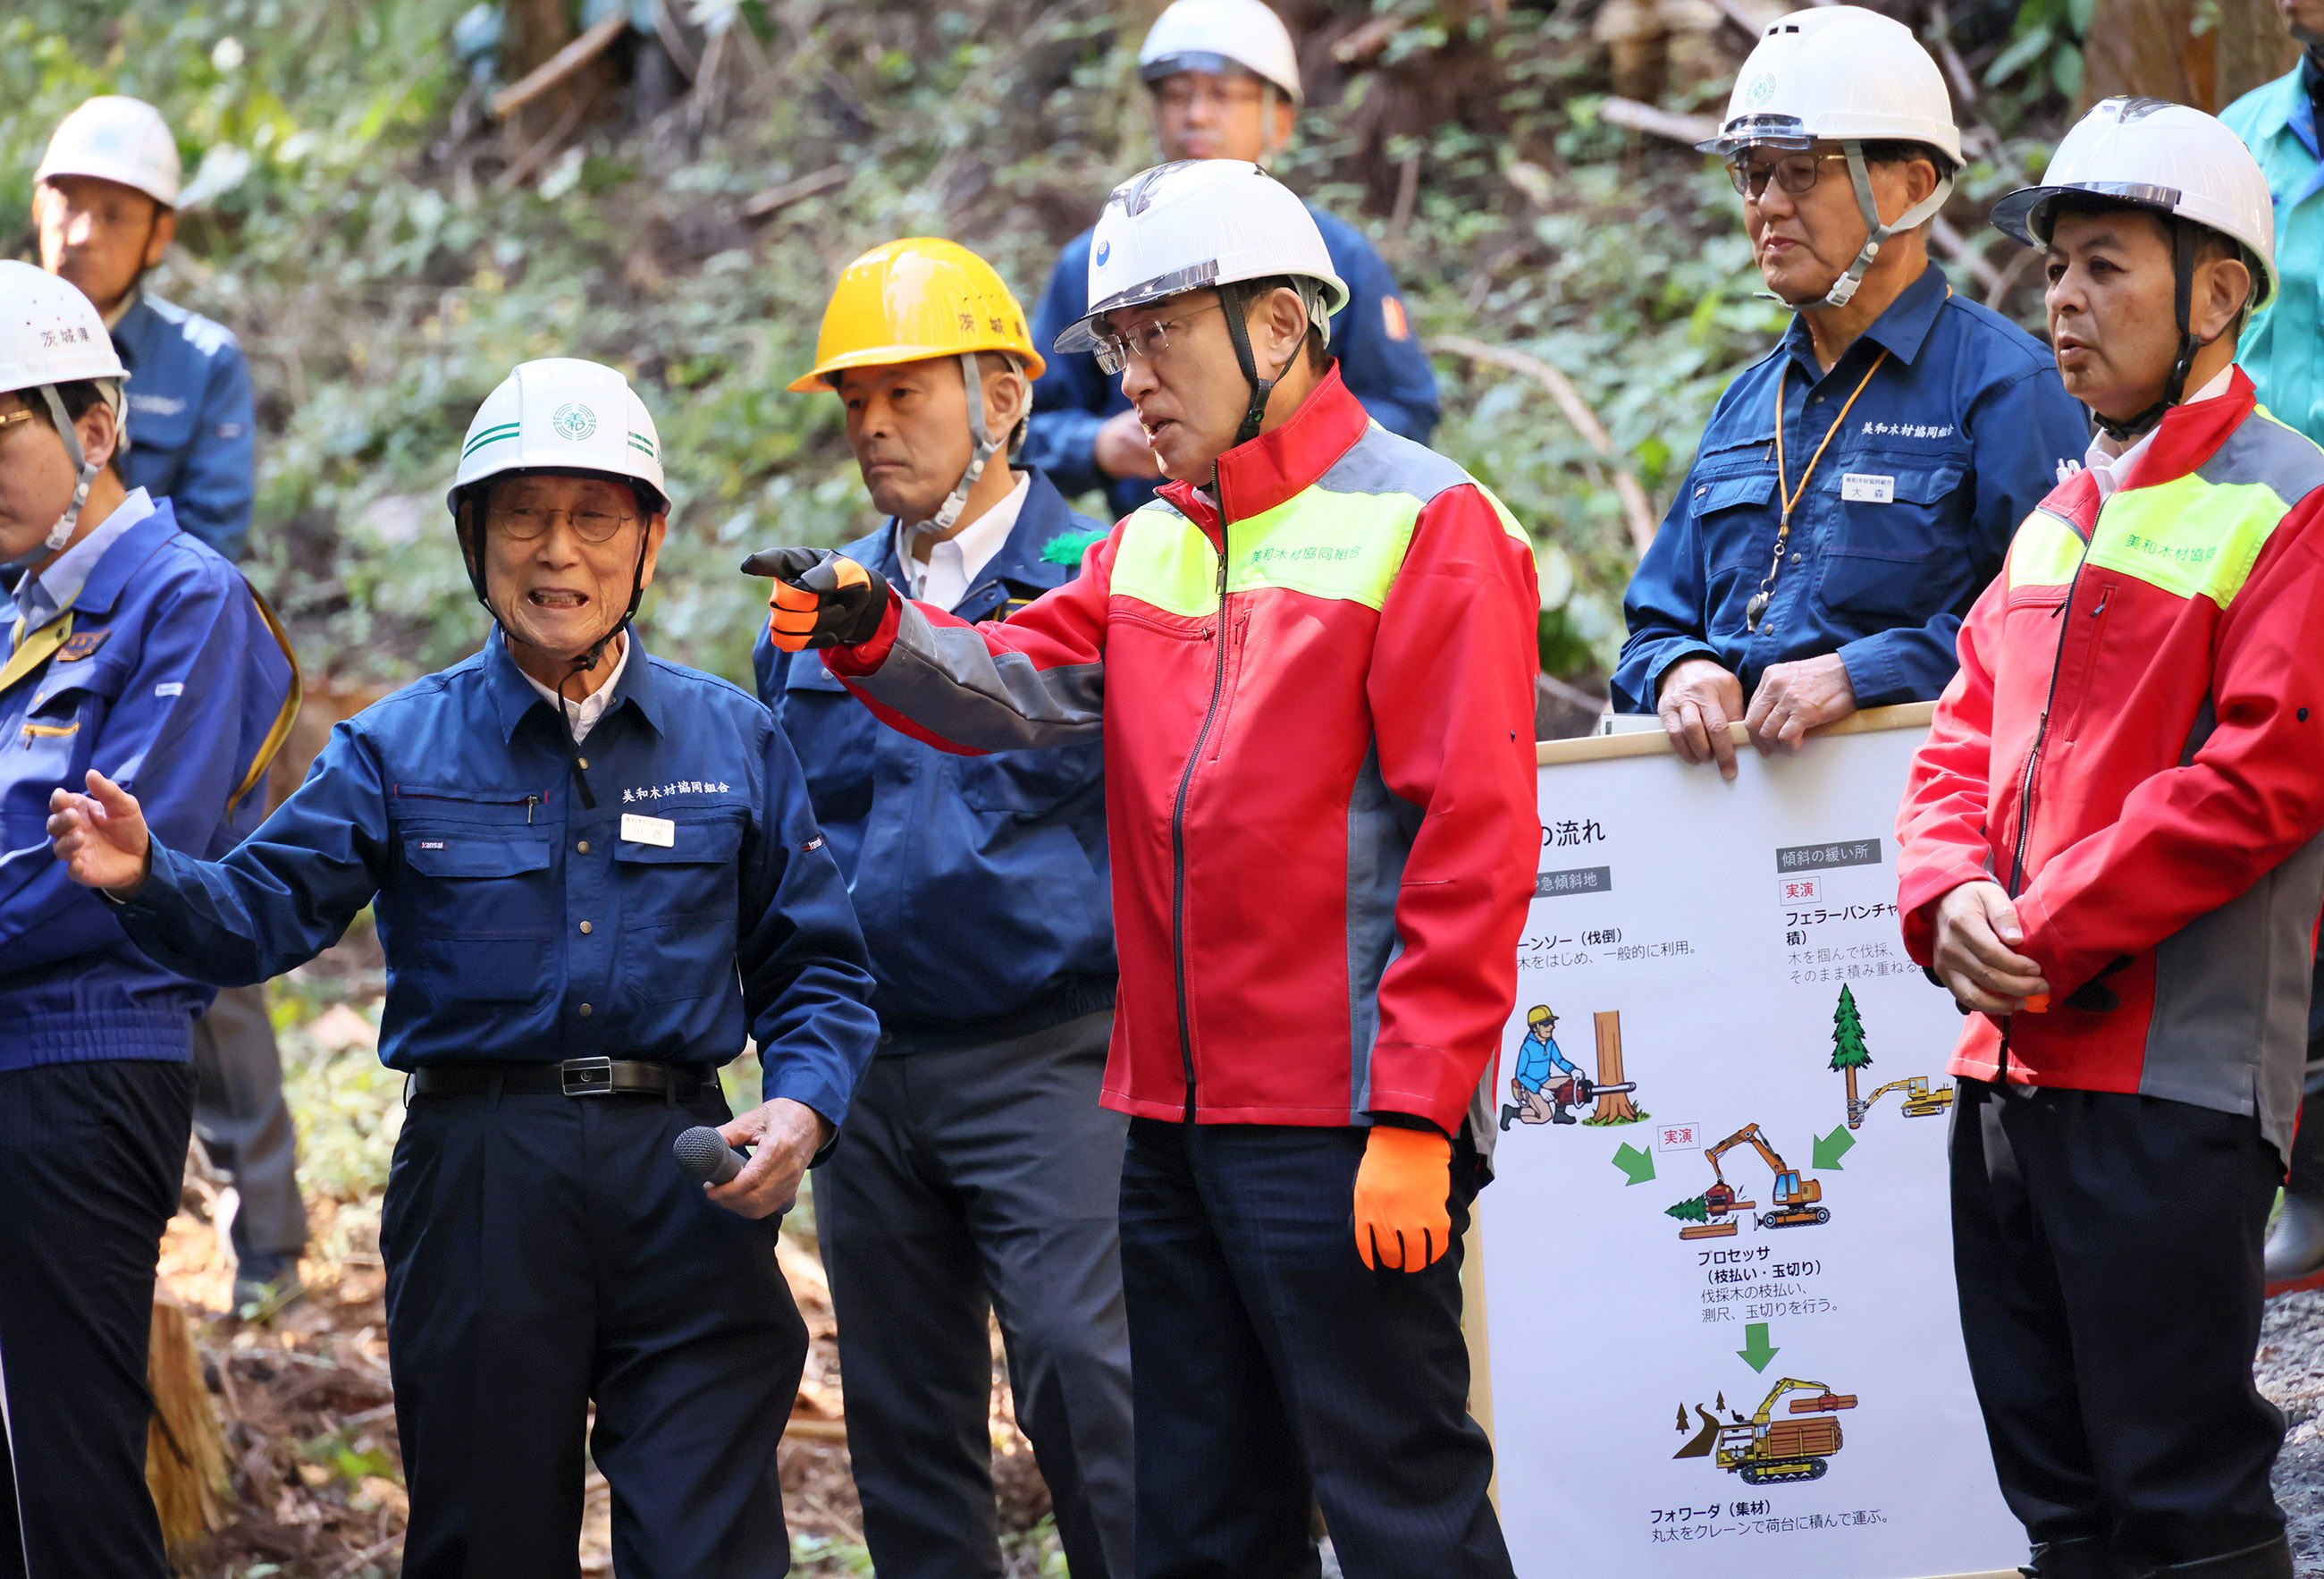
column 693, row 841
column 454, row 855
column 1752, row 488
column 808, row 673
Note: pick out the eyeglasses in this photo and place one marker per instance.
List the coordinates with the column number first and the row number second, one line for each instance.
column 525, row 523
column 1230, row 91
column 1795, row 173
column 1147, row 342
column 14, row 416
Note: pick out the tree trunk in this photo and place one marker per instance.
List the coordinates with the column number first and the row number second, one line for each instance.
column 1615, row 1107
column 2150, row 48
column 536, row 30
column 2253, row 48
column 185, row 1450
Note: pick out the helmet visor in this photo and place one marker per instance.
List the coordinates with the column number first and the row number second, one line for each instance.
column 2024, row 214
column 1083, row 335
column 1759, row 132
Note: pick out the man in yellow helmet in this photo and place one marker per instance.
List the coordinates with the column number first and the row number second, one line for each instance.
column 976, row 1171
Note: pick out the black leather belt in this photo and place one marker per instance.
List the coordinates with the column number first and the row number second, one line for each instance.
column 573, row 1077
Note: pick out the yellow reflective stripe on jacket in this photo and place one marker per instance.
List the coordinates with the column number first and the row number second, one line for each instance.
column 2045, row 552
column 2188, row 536
column 1347, row 547
column 1166, row 561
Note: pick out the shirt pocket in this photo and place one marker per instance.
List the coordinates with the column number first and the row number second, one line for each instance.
column 54, row 742
column 678, row 907
column 480, row 898
column 1735, row 525
column 1895, row 551
column 833, row 736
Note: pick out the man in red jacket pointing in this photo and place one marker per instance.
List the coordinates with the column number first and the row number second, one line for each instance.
column 1311, row 663
column 2111, row 857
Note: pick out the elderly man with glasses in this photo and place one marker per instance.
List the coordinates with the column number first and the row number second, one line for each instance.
column 1856, row 488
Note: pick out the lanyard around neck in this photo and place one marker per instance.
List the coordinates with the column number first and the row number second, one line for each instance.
column 1791, row 496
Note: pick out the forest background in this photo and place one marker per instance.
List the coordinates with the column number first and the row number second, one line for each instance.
column 391, row 202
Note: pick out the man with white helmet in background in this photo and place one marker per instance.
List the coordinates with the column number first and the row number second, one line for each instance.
column 2110, row 856
column 104, row 207
column 594, row 874
column 977, row 1177
column 1855, row 488
column 1310, row 662
column 1225, row 81
column 127, row 647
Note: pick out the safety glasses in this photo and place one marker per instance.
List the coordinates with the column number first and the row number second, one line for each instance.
column 1146, row 341
column 1795, row 173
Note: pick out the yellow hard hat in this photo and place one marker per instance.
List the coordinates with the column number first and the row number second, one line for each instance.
column 915, row 298
column 1539, row 1014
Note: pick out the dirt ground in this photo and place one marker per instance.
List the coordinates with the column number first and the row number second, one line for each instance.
column 2291, row 1373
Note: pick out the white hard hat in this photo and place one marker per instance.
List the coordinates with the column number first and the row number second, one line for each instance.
column 51, row 335
column 1218, row 36
column 561, row 415
column 116, row 139
column 1842, row 74
column 2166, row 157
column 1838, row 74
column 1198, row 222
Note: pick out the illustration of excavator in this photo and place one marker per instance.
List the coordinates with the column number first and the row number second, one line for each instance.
column 1794, row 1198
column 1920, row 1102
column 1764, row 1450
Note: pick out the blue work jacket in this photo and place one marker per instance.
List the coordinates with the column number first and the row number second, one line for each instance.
column 695, row 905
column 982, row 880
column 190, row 424
column 171, row 684
column 1958, row 435
column 1381, row 361
column 2282, row 348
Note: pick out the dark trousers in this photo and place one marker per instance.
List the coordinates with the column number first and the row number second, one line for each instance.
column 1274, row 1371
column 244, row 1124
column 2107, row 1248
column 90, row 1160
column 978, row 1180
column 543, row 1252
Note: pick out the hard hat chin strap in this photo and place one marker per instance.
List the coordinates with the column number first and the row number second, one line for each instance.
column 984, row 446
column 1236, row 300
column 1859, row 175
column 2174, row 385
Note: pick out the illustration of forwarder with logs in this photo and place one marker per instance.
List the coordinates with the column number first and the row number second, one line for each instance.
column 1546, row 1084
column 1709, row 1215
column 1849, row 1054
column 1768, row 1452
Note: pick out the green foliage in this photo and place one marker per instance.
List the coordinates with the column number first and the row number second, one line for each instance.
column 353, row 234
column 1697, row 1210
column 1847, row 1048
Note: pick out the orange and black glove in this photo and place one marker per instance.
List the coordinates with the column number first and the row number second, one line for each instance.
column 1403, row 1221
column 821, row 599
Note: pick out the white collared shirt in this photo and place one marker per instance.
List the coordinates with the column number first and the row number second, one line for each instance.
column 954, row 565
column 42, row 598
column 585, row 712
column 2108, row 470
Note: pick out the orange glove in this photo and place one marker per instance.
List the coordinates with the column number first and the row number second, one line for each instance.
column 1402, row 1186
column 821, row 598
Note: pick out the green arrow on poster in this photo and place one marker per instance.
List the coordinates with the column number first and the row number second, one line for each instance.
column 1830, row 1148
column 1757, row 1351
column 1638, row 1164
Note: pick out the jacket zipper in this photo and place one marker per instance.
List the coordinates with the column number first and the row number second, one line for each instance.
column 2032, row 764
column 529, row 802
column 1178, row 825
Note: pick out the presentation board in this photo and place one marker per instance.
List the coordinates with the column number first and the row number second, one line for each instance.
column 1721, row 1334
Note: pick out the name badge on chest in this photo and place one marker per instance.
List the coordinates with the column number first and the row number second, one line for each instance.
column 1862, row 488
column 648, row 830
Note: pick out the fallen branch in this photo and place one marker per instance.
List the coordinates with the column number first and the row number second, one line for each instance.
column 775, row 198
column 673, row 42
column 1630, row 114
column 815, row 1431
column 529, row 162
column 1635, row 510
column 558, row 66
column 1360, row 47
column 1952, row 244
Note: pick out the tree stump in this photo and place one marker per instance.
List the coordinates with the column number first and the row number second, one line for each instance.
column 185, row 1448
column 1615, row 1107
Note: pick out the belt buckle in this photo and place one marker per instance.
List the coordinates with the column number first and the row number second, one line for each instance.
column 586, row 1077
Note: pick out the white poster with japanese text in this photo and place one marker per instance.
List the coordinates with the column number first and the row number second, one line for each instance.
column 1720, row 1313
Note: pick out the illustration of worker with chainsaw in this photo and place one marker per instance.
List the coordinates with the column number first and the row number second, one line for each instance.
column 1546, row 1084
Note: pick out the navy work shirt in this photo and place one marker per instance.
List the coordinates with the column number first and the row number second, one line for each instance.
column 191, row 423
column 981, row 880
column 697, row 902
column 171, row 684
column 1958, row 434
column 1380, row 356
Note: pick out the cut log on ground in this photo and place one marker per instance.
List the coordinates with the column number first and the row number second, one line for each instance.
column 185, row 1449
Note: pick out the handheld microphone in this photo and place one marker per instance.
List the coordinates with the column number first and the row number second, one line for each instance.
column 702, row 1154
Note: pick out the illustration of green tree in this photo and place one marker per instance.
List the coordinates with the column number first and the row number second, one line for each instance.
column 1848, row 1053
column 1697, row 1210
